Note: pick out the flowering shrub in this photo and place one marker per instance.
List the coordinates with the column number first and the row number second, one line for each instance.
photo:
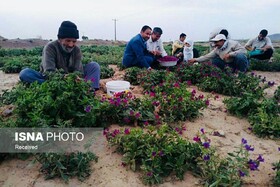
column 276, row 180
column 175, row 102
column 216, row 171
column 134, row 74
column 123, row 107
column 156, row 153
column 153, row 78
column 57, row 102
column 168, row 102
column 210, row 78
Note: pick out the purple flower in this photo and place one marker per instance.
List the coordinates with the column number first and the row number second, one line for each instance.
column 207, row 102
column 137, row 115
column 126, row 120
column 116, row 131
column 278, row 148
column 126, row 131
column 196, row 139
column 253, row 165
column 249, row 148
column 105, row 131
column 177, row 85
column 154, row 154
column 270, row 83
column 88, row 108
column 123, row 164
column 206, row 145
column 149, row 174
column 161, row 153
column 189, row 82
column 244, row 141
column 152, row 94
column 202, row 130
column 260, row 158
column 206, row 157
column 241, row 173
column 193, row 92
column 131, row 112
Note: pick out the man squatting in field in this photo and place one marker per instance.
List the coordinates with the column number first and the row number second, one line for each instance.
column 63, row 54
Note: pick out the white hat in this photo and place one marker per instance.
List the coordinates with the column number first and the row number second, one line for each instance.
column 218, row 38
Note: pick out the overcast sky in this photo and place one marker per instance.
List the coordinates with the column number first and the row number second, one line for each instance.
column 94, row 18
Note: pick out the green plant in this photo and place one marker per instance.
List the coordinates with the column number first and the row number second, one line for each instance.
column 123, row 107
column 57, row 102
column 133, row 75
column 66, row 165
column 276, row 180
column 243, row 106
column 228, row 171
column 265, row 124
column 106, row 71
column 277, row 94
column 175, row 102
column 156, row 153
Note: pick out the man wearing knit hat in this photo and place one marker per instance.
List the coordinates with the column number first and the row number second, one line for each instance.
column 63, row 54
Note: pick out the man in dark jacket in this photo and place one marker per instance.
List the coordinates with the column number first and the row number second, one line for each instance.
column 63, row 54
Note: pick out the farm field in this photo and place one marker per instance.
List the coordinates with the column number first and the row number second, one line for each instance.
column 109, row 171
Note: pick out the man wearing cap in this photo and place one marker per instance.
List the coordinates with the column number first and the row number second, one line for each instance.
column 65, row 55
column 215, row 33
column 226, row 52
column 260, row 47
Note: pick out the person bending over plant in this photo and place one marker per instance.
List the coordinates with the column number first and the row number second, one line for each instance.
column 226, row 52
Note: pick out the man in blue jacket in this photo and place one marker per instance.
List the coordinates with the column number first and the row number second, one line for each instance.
column 136, row 53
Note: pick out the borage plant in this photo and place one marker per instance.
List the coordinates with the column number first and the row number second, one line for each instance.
column 156, row 153
column 175, row 103
column 59, row 101
column 229, row 171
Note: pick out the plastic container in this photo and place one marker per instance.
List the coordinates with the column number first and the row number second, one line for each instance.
column 117, row 86
column 168, row 63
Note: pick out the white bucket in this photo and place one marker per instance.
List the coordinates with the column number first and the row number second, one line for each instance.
column 117, row 86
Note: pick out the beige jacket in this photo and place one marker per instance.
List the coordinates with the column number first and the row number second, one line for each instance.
column 230, row 47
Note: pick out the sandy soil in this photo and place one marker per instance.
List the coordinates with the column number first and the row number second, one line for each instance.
column 108, row 172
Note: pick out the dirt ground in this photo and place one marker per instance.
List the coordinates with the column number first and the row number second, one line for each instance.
column 108, row 172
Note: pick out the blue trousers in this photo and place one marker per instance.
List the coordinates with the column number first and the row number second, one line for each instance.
column 240, row 63
column 91, row 72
